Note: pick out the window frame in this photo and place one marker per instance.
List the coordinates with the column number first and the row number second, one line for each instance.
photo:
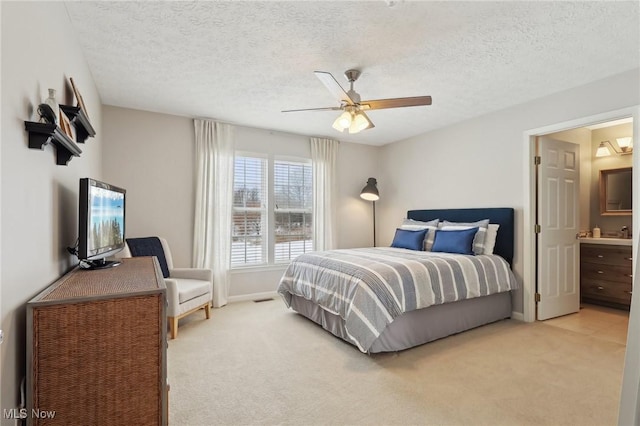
column 272, row 203
column 264, row 209
column 269, row 240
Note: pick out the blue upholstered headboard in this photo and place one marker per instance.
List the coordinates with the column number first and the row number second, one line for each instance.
column 503, row 216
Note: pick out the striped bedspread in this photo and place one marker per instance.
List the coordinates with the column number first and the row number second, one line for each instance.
column 369, row 287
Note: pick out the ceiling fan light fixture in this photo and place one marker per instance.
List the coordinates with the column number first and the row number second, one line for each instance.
column 343, row 122
column 359, row 123
column 353, row 116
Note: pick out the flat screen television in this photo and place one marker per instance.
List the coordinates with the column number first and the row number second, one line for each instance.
column 101, row 223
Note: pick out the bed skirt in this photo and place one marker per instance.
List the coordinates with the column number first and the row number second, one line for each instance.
column 419, row 326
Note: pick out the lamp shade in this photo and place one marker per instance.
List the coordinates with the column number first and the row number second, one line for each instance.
column 359, row 123
column 343, row 121
column 603, row 150
column 370, row 191
column 624, row 143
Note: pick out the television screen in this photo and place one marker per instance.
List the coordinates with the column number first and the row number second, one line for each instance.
column 101, row 219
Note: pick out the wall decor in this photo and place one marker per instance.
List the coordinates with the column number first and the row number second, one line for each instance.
column 61, row 127
column 41, row 134
column 46, row 114
column 80, row 122
column 65, row 124
column 52, row 102
column 78, row 97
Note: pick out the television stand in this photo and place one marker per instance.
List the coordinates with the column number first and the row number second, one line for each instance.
column 99, row 264
column 96, row 348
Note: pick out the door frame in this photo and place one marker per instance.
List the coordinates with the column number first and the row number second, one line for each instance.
column 629, row 410
column 529, row 241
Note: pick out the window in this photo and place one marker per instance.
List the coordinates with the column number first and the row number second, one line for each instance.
column 272, row 211
column 293, row 206
column 249, row 211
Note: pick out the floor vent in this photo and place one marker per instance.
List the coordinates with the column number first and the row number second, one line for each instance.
column 263, row 300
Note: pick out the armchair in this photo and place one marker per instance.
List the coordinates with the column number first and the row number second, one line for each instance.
column 188, row 289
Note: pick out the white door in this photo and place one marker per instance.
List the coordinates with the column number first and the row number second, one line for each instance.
column 558, row 217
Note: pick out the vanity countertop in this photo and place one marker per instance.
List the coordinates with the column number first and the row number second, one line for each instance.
column 609, row 241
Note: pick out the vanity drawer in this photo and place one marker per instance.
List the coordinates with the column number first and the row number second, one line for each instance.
column 608, row 255
column 606, row 274
column 598, row 271
column 606, row 290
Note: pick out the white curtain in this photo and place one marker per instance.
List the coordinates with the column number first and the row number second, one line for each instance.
column 214, row 204
column 324, row 158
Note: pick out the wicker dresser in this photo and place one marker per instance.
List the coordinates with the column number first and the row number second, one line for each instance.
column 606, row 275
column 97, row 348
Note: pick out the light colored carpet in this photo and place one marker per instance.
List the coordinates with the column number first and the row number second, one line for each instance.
column 259, row 363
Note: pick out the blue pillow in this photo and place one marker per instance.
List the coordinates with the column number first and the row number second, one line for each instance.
column 454, row 241
column 409, row 239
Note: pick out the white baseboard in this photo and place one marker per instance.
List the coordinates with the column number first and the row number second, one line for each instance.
column 517, row 316
column 254, row 296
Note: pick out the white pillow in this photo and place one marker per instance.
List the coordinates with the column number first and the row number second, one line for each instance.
column 431, row 227
column 478, row 240
column 490, row 238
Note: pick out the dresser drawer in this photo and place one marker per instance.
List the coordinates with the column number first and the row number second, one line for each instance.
column 608, row 255
column 599, row 271
column 606, row 290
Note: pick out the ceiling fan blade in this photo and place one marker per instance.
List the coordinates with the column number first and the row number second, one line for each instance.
column 334, row 87
column 396, row 102
column 314, row 109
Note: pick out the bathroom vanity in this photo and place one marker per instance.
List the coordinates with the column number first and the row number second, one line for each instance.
column 606, row 271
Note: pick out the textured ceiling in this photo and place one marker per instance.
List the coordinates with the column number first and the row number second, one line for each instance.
column 244, row 62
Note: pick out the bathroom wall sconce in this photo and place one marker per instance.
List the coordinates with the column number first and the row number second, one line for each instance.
column 625, row 146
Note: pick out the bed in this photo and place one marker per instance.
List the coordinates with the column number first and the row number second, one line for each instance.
column 386, row 299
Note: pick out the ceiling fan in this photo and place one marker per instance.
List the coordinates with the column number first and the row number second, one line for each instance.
column 353, row 117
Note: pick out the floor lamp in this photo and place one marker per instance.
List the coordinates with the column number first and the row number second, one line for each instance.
column 370, row 193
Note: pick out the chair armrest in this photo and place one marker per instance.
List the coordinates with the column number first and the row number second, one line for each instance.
column 191, row 274
column 173, row 300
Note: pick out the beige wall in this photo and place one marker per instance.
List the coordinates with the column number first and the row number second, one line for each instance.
column 39, row 198
column 152, row 156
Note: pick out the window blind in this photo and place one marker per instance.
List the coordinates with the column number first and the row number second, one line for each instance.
column 293, row 203
column 249, row 211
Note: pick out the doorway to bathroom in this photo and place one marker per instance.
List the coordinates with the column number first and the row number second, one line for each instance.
column 581, row 211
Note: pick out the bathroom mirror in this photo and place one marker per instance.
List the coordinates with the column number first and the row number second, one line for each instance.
column 615, row 192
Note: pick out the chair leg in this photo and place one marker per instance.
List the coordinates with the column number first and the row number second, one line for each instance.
column 207, row 310
column 173, row 327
